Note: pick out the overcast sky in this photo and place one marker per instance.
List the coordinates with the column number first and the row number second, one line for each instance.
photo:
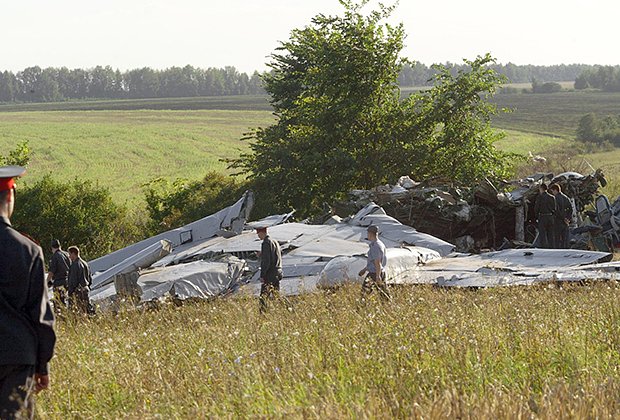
column 242, row 33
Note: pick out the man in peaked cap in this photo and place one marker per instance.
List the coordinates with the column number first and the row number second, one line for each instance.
column 270, row 268
column 375, row 266
column 27, row 335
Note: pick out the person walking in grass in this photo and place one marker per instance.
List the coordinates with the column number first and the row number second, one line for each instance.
column 80, row 280
column 270, row 268
column 27, row 336
column 58, row 273
column 375, row 266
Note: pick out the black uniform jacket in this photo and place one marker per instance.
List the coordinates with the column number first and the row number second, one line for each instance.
column 26, row 319
column 79, row 275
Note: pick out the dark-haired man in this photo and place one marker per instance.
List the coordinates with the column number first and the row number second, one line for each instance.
column 80, row 280
column 27, row 335
column 58, row 273
column 270, row 268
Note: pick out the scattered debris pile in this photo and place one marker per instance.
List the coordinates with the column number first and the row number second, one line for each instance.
column 473, row 218
column 216, row 255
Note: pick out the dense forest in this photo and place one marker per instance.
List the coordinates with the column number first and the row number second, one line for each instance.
column 606, row 78
column 36, row 84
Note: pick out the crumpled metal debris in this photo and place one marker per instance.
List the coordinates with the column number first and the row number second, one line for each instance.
column 474, row 218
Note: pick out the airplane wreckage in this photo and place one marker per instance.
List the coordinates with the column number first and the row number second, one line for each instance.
column 477, row 237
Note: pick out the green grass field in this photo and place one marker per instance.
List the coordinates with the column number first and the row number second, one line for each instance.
column 555, row 114
column 124, row 149
column 537, row 352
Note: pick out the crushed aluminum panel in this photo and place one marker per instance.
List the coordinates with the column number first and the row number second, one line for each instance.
column 330, row 248
column 518, row 260
column 302, row 270
column 102, row 294
column 142, row 259
column 395, row 231
column 402, row 267
column 276, row 219
column 199, row 279
column 199, row 230
column 187, row 252
column 479, row 280
column 499, row 279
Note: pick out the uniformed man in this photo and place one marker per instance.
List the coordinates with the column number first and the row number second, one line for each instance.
column 563, row 216
column 58, row 273
column 270, row 268
column 544, row 209
column 375, row 266
column 27, row 335
column 79, row 283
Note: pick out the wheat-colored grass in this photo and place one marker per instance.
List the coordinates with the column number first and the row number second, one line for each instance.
column 538, row 352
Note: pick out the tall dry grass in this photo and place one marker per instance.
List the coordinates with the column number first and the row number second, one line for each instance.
column 539, row 352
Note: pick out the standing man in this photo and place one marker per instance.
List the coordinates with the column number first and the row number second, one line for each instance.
column 270, row 268
column 544, row 209
column 58, row 273
column 375, row 266
column 27, row 335
column 563, row 216
column 80, row 280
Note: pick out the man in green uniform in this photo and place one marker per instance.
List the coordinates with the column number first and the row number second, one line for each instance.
column 80, row 280
column 58, row 273
column 544, row 209
column 27, row 335
column 563, row 216
column 270, row 268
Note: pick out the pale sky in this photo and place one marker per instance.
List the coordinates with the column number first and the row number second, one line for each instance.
column 128, row 34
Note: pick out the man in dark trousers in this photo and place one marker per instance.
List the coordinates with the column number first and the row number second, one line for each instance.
column 563, row 216
column 270, row 268
column 80, row 280
column 544, row 209
column 58, row 273
column 27, row 335
column 375, row 266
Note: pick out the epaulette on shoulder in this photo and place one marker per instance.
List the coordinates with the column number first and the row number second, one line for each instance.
column 28, row 237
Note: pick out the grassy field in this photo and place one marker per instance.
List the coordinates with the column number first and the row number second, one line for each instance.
column 537, row 352
column 241, row 102
column 125, row 149
column 555, row 114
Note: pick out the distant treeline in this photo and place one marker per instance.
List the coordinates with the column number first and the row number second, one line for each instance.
column 419, row 74
column 35, row 84
column 606, row 78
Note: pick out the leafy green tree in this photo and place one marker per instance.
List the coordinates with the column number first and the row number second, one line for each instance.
column 173, row 204
column 341, row 124
column 78, row 213
column 21, row 155
column 588, row 128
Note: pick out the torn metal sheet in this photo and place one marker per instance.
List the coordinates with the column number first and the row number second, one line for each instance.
column 402, row 267
column 142, row 259
column 269, row 221
column 199, row 279
column 231, row 218
column 519, row 260
column 392, row 229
